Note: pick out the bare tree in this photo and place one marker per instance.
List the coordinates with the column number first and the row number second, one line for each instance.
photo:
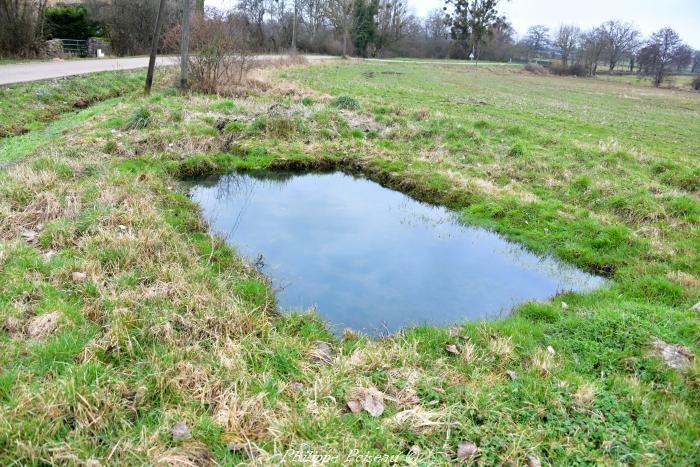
column 130, row 22
column 501, row 45
column 621, row 39
column 254, row 11
column 684, row 57
column 594, row 44
column 661, row 51
column 536, row 39
column 340, row 14
column 436, row 33
column 21, row 27
column 391, row 20
column 696, row 62
column 313, row 14
column 566, row 39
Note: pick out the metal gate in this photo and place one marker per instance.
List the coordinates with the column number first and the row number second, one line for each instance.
column 75, row 47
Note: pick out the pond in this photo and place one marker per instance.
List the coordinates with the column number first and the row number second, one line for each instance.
column 373, row 259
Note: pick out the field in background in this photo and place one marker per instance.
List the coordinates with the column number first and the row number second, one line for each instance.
column 681, row 82
column 124, row 320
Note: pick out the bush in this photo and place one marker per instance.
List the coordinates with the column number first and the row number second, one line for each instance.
column 70, row 22
column 535, row 68
column 573, row 70
column 696, row 83
column 577, row 69
column 220, row 50
column 139, row 119
column 346, row 102
column 517, row 150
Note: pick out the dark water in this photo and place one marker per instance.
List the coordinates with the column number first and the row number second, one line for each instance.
column 374, row 259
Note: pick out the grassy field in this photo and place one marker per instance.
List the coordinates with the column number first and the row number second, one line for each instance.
column 132, row 336
column 673, row 81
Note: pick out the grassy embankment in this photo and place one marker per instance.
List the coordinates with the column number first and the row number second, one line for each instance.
column 149, row 321
column 29, row 106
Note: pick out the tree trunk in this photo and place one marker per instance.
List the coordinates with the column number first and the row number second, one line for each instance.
column 185, row 44
column 294, row 30
column 154, row 48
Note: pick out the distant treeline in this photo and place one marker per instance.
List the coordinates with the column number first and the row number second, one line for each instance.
column 377, row 28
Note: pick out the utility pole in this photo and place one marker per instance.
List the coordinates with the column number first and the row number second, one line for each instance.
column 185, row 44
column 294, row 30
column 154, row 48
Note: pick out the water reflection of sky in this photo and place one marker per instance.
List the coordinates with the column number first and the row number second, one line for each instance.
column 370, row 258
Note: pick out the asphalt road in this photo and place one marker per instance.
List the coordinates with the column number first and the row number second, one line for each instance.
column 35, row 71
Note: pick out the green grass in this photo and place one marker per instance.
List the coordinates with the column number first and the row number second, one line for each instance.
column 170, row 325
column 28, row 106
column 672, row 81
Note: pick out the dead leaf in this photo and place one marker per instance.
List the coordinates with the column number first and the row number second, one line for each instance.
column 243, row 448
column 451, row 348
column 11, row 325
column 222, row 416
column 48, row 255
column 466, row 450
column 418, row 418
column 356, row 358
column 139, row 396
column 373, row 402
column 180, row 431
column 43, row 325
column 189, row 454
column 29, row 235
column 584, row 394
column 532, row 461
column 550, row 350
column 355, row 406
column 322, row 353
column 296, row 386
column 456, row 331
column 512, row 374
column 79, row 276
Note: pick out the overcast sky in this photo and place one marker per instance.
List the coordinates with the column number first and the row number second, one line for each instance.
column 647, row 15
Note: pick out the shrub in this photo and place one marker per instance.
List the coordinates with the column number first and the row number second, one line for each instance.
column 220, row 51
column 280, row 122
column 139, row 119
column 517, row 150
column 696, row 83
column 535, row 68
column 573, row 70
column 70, row 22
column 578, row 69
column 346, row 102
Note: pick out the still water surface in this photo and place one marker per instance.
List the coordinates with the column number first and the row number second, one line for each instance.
column 373, row 259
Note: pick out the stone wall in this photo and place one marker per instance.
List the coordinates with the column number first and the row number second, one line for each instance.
column 94, row 43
